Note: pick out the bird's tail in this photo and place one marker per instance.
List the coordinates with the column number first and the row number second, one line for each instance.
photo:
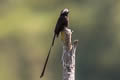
column 53, row 40
column 42, row 74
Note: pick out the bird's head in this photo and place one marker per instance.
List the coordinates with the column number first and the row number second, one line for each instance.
column 65, row 12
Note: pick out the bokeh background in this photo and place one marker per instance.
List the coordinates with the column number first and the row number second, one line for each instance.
column 26, row 31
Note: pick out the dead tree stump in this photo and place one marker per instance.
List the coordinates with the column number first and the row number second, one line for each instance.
column 68, row 58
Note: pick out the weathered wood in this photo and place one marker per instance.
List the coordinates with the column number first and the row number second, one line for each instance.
column 68, row 58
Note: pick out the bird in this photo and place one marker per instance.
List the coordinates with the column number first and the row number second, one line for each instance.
column 62, row 23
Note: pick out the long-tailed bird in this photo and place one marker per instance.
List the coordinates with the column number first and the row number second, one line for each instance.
column 62, row 22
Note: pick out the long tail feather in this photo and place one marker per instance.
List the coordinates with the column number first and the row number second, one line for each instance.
column 42, row 74
column 53, row 39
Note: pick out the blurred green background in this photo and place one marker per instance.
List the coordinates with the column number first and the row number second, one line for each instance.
column 26, row 31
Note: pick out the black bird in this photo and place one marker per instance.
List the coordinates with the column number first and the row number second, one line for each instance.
column 62, row 22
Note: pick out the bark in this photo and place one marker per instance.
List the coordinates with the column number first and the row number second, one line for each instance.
column 68, row 58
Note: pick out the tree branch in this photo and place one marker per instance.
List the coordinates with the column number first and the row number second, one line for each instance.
column 68, row 58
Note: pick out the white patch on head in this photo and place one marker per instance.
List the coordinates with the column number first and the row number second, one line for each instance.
column 65, row 10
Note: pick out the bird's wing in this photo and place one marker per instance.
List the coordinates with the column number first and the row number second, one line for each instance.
column 60, row 25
